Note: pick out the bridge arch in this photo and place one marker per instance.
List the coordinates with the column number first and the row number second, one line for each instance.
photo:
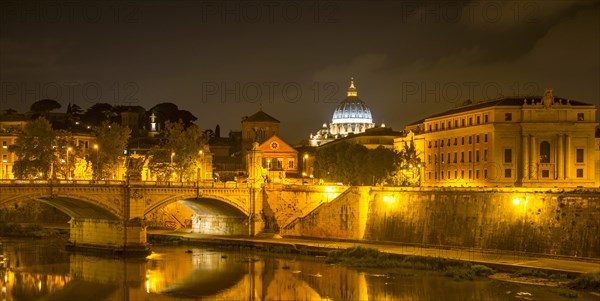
column 191, row 197
column 76, row 206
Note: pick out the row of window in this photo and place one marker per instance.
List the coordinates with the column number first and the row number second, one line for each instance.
column 454, row 159
column 277, row 163
column 545, row 154
column 449, row 124
column 449, row 141
column 507, row 174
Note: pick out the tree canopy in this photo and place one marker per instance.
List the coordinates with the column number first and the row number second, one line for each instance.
column 355, row 164
column 44, row 106
column 178, row 152
column 34, row 148
column 112, row 140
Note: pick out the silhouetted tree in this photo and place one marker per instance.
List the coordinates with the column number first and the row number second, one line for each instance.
column 34, row 150
column 112, row 140
column 44, row 106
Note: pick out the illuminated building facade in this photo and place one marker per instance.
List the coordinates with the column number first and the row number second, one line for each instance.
column 352, row 116
column 529, row 142
column 258, row 128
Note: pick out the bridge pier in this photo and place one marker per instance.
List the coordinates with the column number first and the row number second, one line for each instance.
column 108, row 236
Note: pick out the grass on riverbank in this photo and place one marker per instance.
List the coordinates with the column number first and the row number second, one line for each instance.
column 27, row 230
column 360, row 257
column 588, row 282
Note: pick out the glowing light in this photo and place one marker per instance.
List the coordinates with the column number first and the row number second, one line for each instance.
column 388, row 199
column 147, row 285
column 516, row 201
column 329, row 189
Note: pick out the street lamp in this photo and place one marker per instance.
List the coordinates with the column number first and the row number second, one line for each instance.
column 172, row 155
column 304, row 167
column 200, row 176
column 268, row 170
column 97, row 167
column 68, row 168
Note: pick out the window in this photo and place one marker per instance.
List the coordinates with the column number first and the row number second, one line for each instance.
column 485, row 153
column 477, row 156
column 477, row 174
column 435, row 143
column 442, row 174
column 455, row 141
column 449, row 158
column 544, row 152
column 485, row 138
column 485, row 118
column 477, row 139
column 545, row 173
column 462, row 122
column 470, row 120
column 448, row 142
column 580, row 117
column 430, row 175
column 456, row 174
column 455, row 123
column 435, row 158
column 485, row 173
column 455, row 157
column 478, row 119
column 436, row 175
column 436, row 126
column 508, row 173
column 449, row 124
column 580, row 155
column 279, row 163
column 507, row 116
column 4, row 144
column 442, row 143
column 429, row 159
column 470, row 139
column 507, row 155
column 470, row 156
column 291, row 164
column 429, row 144
column 462, row 157
column 470, row 174
column 462, row 174
column 442, row 158
column 580, row 172
column 430, row 127
column 448, row 174
column 443, row 126
column 463, row 140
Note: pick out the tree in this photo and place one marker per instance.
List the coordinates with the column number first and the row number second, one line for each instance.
column 354, row 164
column 44, row 106
column 178, row 152
column 410, row 166
column 67, row 153
column 112, row 140
column 34, row 148
column 98, row 114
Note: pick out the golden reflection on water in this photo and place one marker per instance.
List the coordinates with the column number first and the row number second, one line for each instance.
column 191, row 273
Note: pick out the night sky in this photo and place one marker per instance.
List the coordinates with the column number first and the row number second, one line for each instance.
column 220, row 60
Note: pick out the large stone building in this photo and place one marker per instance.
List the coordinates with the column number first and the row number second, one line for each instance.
column 352, row 116
column 530, row 142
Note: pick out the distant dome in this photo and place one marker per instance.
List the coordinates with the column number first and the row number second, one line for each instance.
column 352, row 110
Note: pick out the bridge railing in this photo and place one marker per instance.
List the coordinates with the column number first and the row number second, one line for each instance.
column 204, row 184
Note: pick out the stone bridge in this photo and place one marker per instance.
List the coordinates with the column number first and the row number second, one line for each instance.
column 111, row 214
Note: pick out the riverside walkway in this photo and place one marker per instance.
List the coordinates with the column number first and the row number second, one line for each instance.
column 503, row 260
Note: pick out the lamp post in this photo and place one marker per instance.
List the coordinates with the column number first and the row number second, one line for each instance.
column 201, row 176
column 97, row 160
column 172, row 155
column 304, row 167
column 68, row 167
column 268, row 170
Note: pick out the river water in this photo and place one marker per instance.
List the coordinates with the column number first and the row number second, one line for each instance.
column 43, row 270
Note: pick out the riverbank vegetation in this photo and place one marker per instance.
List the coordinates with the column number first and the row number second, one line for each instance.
column 27, row 230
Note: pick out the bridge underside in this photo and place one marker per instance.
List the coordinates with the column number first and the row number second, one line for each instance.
column 78, row 209
column 214, row 217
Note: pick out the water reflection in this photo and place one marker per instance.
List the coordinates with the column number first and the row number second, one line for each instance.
column 41, row 270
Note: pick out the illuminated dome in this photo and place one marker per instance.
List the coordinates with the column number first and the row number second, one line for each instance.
column 352, row 115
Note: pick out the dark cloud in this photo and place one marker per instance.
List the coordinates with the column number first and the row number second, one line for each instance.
column 410, row 59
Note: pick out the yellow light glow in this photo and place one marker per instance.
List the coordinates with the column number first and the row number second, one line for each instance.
column 329, row 189
column 516, row 201
column 306, row 156
column 388, row 199
column 95, row 146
